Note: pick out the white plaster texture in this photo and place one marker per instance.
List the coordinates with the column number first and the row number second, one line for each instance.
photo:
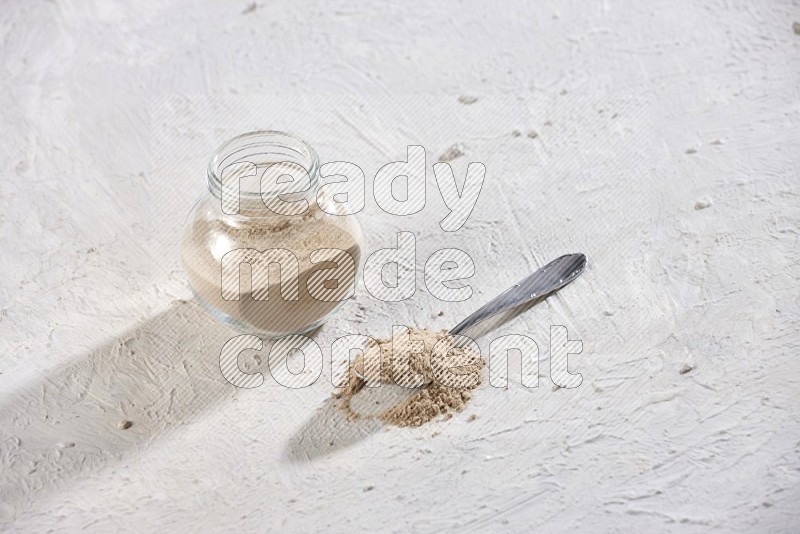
column 660, row 138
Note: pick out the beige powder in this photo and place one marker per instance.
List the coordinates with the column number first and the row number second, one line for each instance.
column 210, row 236
column 424, row 403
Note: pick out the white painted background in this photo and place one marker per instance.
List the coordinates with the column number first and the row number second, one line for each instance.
column 109, row 113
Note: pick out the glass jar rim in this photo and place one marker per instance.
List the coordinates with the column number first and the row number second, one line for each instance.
column 236, row 148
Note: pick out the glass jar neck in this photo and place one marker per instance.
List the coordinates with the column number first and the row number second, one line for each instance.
column 263, row 173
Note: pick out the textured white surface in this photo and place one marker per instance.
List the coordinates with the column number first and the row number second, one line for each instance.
column 645, row 112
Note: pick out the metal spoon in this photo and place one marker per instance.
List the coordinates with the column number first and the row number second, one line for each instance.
column 547, row 280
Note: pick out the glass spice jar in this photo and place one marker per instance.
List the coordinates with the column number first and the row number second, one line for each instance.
column 264, row 250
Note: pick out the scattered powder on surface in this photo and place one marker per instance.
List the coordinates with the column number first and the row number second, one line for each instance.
column 703, row 203
column 455, row 151
column 430, row 400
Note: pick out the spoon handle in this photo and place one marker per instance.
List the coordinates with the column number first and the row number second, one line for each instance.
column 546, row 280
